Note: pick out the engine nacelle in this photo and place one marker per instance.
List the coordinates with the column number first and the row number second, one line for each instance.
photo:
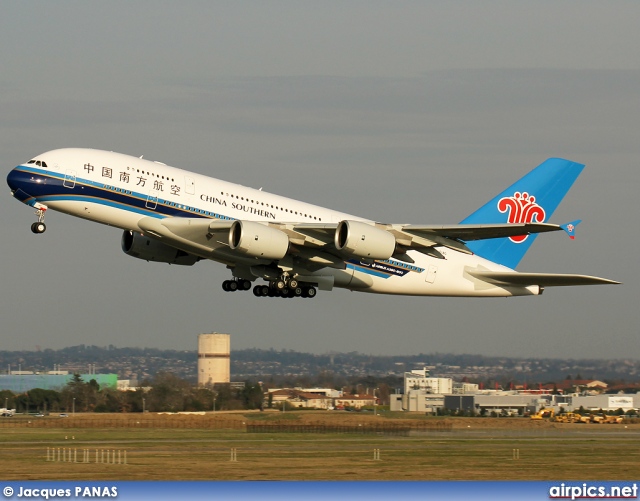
column 137, row 245
column 258, row 240
column 364, row 240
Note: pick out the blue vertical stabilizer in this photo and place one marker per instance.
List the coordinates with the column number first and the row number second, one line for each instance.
column 533, row 198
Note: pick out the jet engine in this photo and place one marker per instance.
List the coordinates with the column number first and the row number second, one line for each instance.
column 137, row 245
column 364, row 240
column 258, row 240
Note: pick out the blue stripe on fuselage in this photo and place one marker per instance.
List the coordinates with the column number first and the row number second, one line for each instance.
column 46, row 186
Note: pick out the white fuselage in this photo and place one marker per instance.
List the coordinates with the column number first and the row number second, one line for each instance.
column 121, row 190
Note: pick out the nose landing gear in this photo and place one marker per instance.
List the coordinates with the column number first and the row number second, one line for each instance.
column 39, row 227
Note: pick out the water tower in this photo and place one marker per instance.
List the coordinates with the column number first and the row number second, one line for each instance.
column 214, row 358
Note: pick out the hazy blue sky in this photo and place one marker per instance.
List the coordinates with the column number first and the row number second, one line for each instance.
column 397, row 111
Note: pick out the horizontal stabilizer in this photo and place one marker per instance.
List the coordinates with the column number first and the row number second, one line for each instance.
column 469, row 232
column 570, row 228
column 541, row 279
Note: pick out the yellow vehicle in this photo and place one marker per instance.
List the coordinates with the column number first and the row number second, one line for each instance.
column 543, row 414
column 568, row 417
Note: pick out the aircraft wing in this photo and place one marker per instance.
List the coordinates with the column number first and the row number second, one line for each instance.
column 315, row 241
column 541, row 279
column 197, row 236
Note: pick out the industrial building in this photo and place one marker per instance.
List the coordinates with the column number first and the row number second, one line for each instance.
column 21, row 381
column 317, row 398
column 214, row 359
column 420, row 380
column 429, row 395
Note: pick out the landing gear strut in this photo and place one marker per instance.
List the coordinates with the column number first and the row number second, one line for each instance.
column 39, row 227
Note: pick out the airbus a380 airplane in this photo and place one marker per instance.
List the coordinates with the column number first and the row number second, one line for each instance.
column 174, row 216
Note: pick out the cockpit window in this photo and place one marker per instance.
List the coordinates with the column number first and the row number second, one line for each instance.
column 37, row 162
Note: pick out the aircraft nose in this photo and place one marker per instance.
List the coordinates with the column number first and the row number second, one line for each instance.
column 12, row 180
column 17, row 182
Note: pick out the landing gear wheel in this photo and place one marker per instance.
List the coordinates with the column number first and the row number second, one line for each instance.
column 245, row 285
column 293, row 283
column 38, row 227
column 311, row 292
column 230, row 285
column 280, row 285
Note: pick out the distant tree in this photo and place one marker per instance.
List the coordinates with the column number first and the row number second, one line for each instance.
column 132, row 401
column 201, row 399
column 44, row 400
column 225, row 398
column 383, row 393
column 74, row 395
column 168, row 393
column 7, row 399
column 252, row 396
column 109, row 400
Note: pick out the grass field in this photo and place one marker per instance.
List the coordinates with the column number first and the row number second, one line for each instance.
column 200, row 448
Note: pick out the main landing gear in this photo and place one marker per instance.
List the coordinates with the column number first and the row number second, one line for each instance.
column 280, row 288
column 283, row 287
column 236, row 285
column 39, row 227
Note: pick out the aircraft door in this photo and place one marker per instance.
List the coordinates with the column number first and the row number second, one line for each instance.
column 69, row 179
column 189, row 185
column 152, row 200
column 431, row 274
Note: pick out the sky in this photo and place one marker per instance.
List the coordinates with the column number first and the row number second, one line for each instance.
column 400, row 112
